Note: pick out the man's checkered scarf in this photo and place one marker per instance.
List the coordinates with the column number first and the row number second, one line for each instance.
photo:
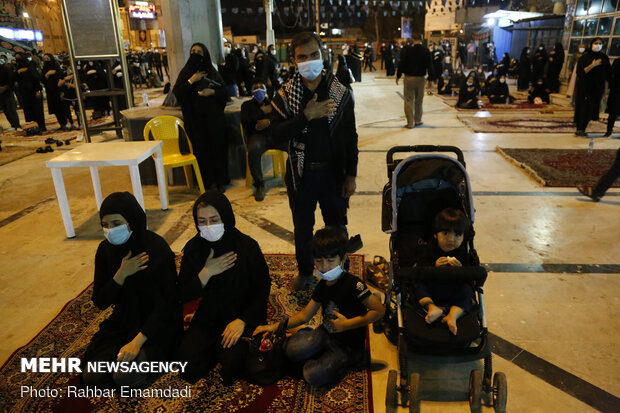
column 293, row 93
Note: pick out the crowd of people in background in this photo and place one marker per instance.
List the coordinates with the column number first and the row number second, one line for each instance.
column 30, row 77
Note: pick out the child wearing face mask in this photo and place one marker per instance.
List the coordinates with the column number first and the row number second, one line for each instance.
column 332, row 349
column 448, row 248
column 444, row 83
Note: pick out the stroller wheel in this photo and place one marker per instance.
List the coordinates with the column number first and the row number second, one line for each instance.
column 500, row 391
column 414, row 387
column 391, row 397
column 475, row 389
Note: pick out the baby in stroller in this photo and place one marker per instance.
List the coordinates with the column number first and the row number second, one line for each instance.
column 452, row 300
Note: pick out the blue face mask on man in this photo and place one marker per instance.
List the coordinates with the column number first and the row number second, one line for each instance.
column 259, row 95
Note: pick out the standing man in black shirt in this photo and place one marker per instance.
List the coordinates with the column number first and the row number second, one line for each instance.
column 7, row 99
column 415, row 64
column 314, row 116
column 255, row 119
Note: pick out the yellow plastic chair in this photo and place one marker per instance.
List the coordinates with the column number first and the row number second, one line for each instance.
column 277, row 156
column 167, row 129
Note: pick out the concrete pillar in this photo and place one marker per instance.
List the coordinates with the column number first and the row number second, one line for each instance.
column 190, row 21
column 559, row 7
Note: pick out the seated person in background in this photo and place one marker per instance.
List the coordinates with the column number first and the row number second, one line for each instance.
column 458, row 79
column 468, row 95
column 448, row 248
column 444, row 83
column 334, row 348
column 482, row 83
column 227, row 269
column 256, row 124
column 135, row 273
column 493, row 75
column 498, row 91
column 539, row 90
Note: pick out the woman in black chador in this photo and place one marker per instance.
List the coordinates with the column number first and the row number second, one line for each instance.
column 468, row 95
column 613, row 101
column 592, row 71
column 136, row 274
column 539, row 62
column 29, row 82
column 53, row 77
column 199, row 89
column 525, row 69
column 228, row 270
column 556, row 61
column 96, row 80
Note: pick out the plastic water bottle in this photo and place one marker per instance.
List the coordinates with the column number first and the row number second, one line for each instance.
column 145, row 98
column 591, row 145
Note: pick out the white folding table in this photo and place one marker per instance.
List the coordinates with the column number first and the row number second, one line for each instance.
column 93, row 155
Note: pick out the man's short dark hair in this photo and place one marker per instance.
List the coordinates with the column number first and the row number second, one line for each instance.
column 329, row 242
column 304, row 38
column 256, row 81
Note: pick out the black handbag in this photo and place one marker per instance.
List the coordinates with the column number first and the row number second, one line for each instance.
column 265, row 359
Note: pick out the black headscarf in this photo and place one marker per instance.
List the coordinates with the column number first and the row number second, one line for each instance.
column 125, row 204
column 51, row 65
column 218, row 201
column 197, row 63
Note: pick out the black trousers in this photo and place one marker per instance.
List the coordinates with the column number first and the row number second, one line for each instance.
column 257, row 145
column 607, row 180
column 316, row 186
column 34, row 106
column 160, row 73
column 202, row 349
column 586, row 109
column 9, row 107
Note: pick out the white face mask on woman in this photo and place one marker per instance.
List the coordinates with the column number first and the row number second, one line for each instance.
column 597, row 47
column 211, row 233
column 582, row 49
column 117, row 235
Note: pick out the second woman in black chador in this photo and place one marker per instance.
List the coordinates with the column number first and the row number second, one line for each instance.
column 227, row 270
column 199, row 89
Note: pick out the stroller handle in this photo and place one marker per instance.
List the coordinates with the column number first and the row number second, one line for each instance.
column 424, row 148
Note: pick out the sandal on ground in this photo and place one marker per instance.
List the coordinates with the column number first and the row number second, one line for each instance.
column 48, row 149
column 377, row 273
column 49, row 141
column 58, row 143
column 587, row 191
column 40, row 149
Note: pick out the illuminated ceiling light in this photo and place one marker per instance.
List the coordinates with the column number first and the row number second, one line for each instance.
column 26, row 15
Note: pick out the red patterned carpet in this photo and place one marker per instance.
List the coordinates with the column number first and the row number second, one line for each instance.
column 530, row 122
column 561, row 167
column 69, row 333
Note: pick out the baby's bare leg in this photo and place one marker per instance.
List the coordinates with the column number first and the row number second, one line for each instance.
column 432, row 311
column 454, row 314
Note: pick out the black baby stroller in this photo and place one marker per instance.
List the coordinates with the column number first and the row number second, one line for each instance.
column 418, row 188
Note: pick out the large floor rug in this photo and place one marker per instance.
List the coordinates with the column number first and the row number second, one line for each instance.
column 69, row 333
column 533, row 123
column 561, row 167
column 519, row 105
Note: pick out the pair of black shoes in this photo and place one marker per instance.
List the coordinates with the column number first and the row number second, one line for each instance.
column 42, row 149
